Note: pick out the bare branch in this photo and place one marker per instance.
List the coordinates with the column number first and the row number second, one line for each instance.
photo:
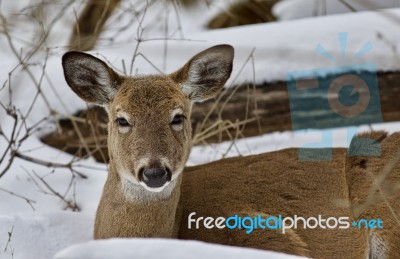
column 29, row 201
column 48, row 163
column 69, row 204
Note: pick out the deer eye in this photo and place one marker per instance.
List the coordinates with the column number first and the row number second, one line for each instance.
column 178, row 119
column 122, row 122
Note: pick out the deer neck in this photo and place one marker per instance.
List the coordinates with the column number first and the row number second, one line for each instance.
column 126, row 209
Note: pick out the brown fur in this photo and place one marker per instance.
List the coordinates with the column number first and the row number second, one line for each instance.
column 374, row 191
column 148, row 104
column 273, row 183
column 119, row 217
column 266, row 184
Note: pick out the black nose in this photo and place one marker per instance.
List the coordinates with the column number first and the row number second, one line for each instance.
column 156, row 177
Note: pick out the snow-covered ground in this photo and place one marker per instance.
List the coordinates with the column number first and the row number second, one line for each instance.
column 296, row 9
column 161, row 249
column 42, row 227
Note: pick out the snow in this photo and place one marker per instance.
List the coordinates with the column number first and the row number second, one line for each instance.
column 278, row 49
column 160, row 249
column 41, row 231
column 281, row 140
column 296, row 9
column 41, row 235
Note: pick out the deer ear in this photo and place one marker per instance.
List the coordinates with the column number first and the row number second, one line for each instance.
column 205, row 74
column 90, row 78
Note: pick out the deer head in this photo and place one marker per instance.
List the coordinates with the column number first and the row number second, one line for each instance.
column 149, row 129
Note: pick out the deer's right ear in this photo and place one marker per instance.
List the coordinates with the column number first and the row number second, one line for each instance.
column 204, row 75
column 90, row 78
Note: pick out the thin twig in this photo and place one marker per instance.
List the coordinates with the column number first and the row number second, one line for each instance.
column 349, row 6
column 49, row 164
column 29, row 201
column 72, row 205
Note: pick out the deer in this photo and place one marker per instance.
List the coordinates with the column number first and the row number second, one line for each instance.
column 150, row 193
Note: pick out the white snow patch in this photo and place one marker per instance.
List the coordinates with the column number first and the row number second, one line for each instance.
column 40, row 236
column 160, row 249
column 296, row 9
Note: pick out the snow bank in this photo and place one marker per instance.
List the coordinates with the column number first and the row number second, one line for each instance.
column 41, row 235
column 341, row 137
column 160, row 249
column 296, row 9
column 281, row 47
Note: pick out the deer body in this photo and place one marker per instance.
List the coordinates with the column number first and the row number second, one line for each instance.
column 279, row 183
column 269, row 185
column 147, row 195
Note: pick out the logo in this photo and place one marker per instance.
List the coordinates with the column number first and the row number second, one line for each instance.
column 344, row 95
column 249, row 224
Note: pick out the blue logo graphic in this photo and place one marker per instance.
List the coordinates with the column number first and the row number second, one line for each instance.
column 344, row 95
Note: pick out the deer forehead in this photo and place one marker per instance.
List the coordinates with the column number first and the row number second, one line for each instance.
column 157, row 95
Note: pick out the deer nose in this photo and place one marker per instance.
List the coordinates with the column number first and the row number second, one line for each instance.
column 156, row 177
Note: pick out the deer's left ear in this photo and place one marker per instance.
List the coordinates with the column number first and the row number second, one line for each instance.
column 90, row 78
column 205, row 74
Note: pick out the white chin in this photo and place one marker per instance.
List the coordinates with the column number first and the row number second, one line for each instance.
column 158, row 189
